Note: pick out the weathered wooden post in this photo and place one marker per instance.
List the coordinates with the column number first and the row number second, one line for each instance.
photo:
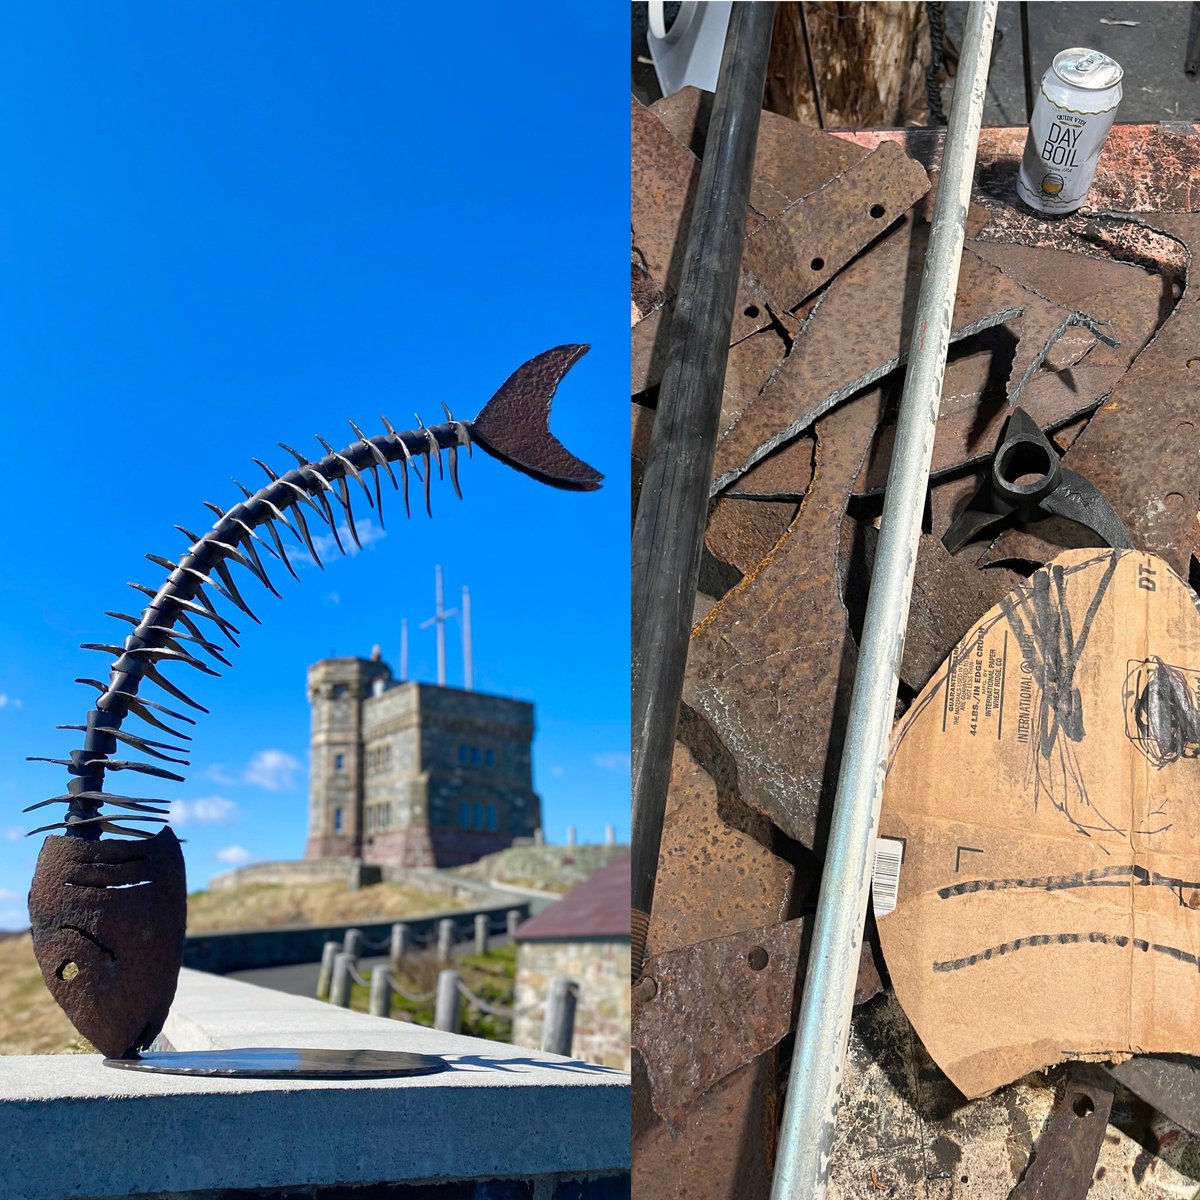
column 339, row 989
column 514, row 919
column 325, row 976
column 445, row 942
column 352, row 943
column 446, row 1010
column 381, row 992
column 558, row 1027
column 399, row 947
column 482, row 921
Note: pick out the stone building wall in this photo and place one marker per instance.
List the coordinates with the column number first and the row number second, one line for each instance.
column 602, row 1013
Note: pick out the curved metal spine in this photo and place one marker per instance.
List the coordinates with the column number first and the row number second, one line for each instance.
column 181, row 598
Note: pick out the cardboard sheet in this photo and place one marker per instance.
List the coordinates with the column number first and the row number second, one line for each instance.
column 1040, row 836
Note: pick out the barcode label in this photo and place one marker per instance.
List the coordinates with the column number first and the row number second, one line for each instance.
column 885, row 878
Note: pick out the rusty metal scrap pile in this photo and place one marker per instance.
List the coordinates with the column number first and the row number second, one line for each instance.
column 1085, row 322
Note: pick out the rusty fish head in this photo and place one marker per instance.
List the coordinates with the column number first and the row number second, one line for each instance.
column 108, row 921
column 515, row 423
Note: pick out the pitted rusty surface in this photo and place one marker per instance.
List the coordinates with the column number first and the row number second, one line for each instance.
column 784, row 475
column 770, row 668
column 1079, row 370
column 1064, row 1157
column 741, row 533
column 790, row 159
column 713, row 880
column 108, row 922
column 859, row 332
column 1142, row 448
column 705, row 1010
column 1143, row 168
column 802, row 248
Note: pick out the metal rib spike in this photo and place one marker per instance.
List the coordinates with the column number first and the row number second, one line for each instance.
column 174, row 635
column 200, row 610
column 404, row 476
column 377, row 454
column 103, row 647
column 136, row 703
column 408, row 458
column 194, row 630
column 428, row 478
column 350, row 468
column 126, row 764
column 156, row 676
column 281, row 553
column 258, row 569
column 120, row 616
column 434, row 451
column 187, row 533
column 460, row 429
column 104, row 824
column 307, row 537
column 249, row 529
column 143, row 744
column 378, row 497
column 452, row 454
column 103, row 798
column 331, row 520
column 276, row 513
column 230, row 589
column 128, row 831
column 251, row 563
column 300, row 459
column 165, row 653
column 301, row 494
column 345, row 490
column 208, row 581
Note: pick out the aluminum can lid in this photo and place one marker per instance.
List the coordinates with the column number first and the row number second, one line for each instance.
column 1090, row 69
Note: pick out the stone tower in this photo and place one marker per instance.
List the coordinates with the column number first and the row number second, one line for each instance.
column 410, row 774
column 337, row 688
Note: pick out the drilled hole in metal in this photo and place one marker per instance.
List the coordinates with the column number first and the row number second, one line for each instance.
column 1173, row 500
column 877, row 211
column 1193, row 363
column 1082, row 1106
column 818, row 264
column 751, row 310
column 757, row 958
column 68, row 970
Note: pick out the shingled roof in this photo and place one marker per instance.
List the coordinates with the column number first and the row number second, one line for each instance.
column 597, row 908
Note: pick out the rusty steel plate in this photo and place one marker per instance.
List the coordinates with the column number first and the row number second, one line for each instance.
column 701, row 1012
column 859, row 332
column 790, row 159
column 108, row 922
column 1064, row 1157
column 801, row 249
column 1169, row 1082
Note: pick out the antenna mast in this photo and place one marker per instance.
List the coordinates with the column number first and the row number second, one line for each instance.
column 438, row 620
column 468, row 672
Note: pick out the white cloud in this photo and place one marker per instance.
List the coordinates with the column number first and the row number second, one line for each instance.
column 233, row 856
column 205, row 810
column 219, row 773
column 613, row 760
column 14, row 833
column 326, row 545
column 7, row 701
column 7, row 897
column 272, row 770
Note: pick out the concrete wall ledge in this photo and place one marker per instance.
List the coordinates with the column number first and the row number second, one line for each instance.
column 72, row 1127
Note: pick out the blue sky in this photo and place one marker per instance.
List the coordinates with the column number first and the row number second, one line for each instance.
column 226, row 226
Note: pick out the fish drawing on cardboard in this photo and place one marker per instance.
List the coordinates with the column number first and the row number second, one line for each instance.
column 1038, row 875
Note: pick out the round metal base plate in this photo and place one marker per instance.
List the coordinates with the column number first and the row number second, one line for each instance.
column 278, row 1062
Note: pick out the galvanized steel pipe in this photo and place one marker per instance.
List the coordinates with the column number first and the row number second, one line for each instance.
column 669, row 531
column 810, row 1115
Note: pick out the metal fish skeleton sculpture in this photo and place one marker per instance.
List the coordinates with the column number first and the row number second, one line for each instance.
column 108, row 917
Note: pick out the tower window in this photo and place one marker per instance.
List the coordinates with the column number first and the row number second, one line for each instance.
column 493, row 818
column 337, row 820
column 489, row 758
column 339, row 763
column 464, row 755
column 464, row 815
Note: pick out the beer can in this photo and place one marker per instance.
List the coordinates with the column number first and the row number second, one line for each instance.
column 1074, row 110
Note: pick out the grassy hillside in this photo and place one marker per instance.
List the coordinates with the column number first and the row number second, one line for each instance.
column 544, row 868
column 30, row 1021
column 264, row 905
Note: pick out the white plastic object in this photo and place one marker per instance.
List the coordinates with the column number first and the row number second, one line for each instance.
column 689, row 53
